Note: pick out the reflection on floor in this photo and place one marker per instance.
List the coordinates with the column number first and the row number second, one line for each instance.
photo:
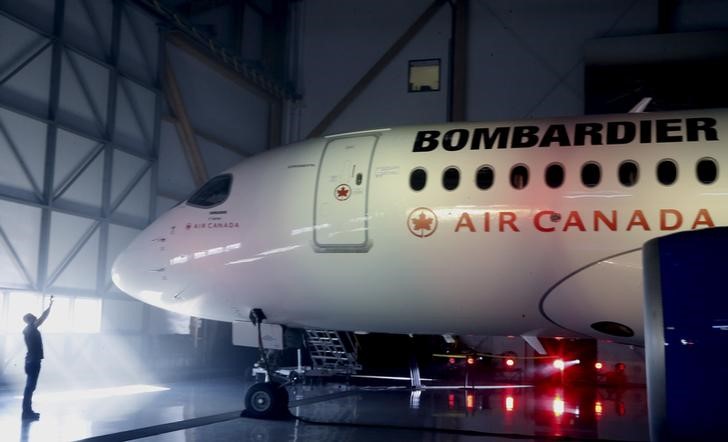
column 581, row 413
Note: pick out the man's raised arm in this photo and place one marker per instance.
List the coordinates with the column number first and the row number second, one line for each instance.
column 45, row 314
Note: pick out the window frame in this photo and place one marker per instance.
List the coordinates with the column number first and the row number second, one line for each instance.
column 459, row 176
column 546, row 174
column 637, row 174
column 715, row 164
column 410, row 179
column 492, row 177
column 229, row 176
column 657, row 171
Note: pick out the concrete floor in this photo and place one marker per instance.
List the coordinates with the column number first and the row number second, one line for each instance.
column 349, row 414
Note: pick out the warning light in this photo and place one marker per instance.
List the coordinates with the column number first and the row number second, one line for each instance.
column 598, row 365
column 471, row 360
column 559, row 364
column 451, row 401
column 510, row 403
column 598, row 408
column 558, row 406
column 470, row 401
column 510, row 362
column 451, row 361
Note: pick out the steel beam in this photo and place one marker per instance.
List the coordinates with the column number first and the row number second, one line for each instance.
column 210, row 137
column 666, row 16
column 72, row 48
column 184, row 127
column 458, row 62
column 112, row 94
column 257, row 87
column 372, row 73
column 51, row 138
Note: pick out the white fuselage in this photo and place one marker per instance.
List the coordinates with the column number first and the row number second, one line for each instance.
column 328, row 233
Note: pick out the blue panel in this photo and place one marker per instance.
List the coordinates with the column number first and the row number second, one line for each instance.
column 695, row 314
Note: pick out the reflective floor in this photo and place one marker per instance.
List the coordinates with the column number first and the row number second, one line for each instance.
column 344, row 413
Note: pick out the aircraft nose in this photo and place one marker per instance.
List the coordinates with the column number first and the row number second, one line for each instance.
column 139, row 270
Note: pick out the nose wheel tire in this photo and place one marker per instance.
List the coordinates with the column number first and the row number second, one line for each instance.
column 267, row 400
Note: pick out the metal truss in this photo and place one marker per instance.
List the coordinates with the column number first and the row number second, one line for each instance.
column 45, row 195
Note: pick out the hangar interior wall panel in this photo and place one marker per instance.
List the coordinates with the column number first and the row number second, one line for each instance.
column 77, row 140
column 342, row 41
column 237, row 116
column 525, row 58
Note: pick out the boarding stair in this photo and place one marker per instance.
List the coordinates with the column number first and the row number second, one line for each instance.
column 332, row 352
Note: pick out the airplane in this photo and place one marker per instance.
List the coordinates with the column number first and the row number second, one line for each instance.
column 522, row 228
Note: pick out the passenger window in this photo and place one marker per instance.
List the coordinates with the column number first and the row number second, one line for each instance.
column 519, row 177
column 591, row 174
column 213, row 193
column 484, row 178
column 451, row 178
column 554, row 175
column 628, row 173
column 707, row 170
column 666, row 172
column 418, row 179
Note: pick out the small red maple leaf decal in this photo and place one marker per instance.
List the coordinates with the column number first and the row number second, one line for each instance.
column 342, row 192
column 422, row 222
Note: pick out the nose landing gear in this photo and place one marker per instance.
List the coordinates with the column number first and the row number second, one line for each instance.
column 265, row 400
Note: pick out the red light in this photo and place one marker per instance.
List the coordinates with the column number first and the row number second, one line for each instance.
column 559, row 364
column 471, row 360
column 451, row 401
column 510, row 362
column 598, row 408
column 510, row 403
column 558, row 406
column 598, row 365
column 451, row 361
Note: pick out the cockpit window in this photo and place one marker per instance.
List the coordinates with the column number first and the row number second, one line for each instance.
column 213, row 193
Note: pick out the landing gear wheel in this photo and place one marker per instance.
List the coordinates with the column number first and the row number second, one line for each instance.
column 267, row 400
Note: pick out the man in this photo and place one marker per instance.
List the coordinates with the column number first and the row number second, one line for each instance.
column 34, row 343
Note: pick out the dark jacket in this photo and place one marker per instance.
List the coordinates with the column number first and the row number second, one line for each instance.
column 34, row 342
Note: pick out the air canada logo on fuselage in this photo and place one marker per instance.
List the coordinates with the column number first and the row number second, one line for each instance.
column 422, row 222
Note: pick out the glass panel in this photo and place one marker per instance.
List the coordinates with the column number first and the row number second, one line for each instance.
column 519, row 177
column 59, row 320
column 484, row 178
column 628, row 173
column 666, row 172
column 418, row 179
column 87, row 315
column 591, row 174
column 213, row 193
column 19, row 304
column 554, row 175
column 424, row 75
column 451, row 178
column 707, row 171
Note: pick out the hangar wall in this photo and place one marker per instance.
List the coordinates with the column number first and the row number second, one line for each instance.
column 89, row 155
column 524, row 57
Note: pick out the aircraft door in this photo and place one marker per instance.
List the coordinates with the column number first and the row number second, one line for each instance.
column 340, row 215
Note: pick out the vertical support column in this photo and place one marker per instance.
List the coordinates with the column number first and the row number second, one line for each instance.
column 51, row 137
column 666, row 13
column 109, row 129
column 161, row 55
column 458, row 61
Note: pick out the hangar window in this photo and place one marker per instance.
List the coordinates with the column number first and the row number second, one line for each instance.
column 707, row 170
column 666, row 172
column 484, row 177
column 424, row 75
column 591, row 174
column 451, row 178
column 213, row 193
column 519, row 176
column 418, row 179
column 628, row 173
column 554, row 175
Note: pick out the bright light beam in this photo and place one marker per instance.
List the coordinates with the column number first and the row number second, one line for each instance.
column 96, row 393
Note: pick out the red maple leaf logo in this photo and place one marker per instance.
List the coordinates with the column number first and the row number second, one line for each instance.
column 342, row 192
column 423, row 222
